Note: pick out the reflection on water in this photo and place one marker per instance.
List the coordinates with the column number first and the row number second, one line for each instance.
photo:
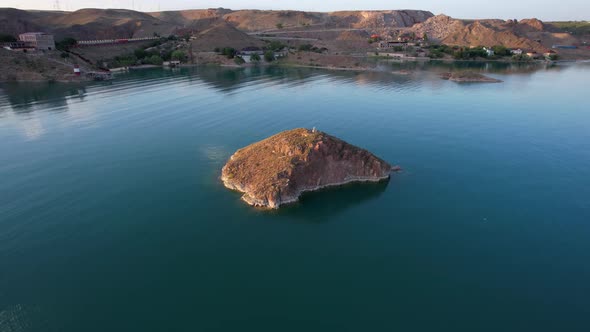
column 499, row 67
column 54, row 95
column 23, row 96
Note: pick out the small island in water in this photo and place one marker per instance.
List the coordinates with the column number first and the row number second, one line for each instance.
column 468, row 77
column 277, row 170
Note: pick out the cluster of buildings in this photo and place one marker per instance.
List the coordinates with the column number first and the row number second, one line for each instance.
column 402, row 41
column 33, row 41
column 533, row 54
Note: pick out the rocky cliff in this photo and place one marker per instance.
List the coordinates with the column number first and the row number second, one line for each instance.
column 450, row 31
column 278, row 169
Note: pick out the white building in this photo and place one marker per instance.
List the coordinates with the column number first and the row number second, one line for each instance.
column 489, row 51
column 516, row 52
column 38, row 40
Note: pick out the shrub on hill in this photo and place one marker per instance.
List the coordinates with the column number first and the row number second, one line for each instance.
column 255, row 58
column 269, row 56
column 66, row 43
column 6, row 38
column 239, row 60
column 178, row 55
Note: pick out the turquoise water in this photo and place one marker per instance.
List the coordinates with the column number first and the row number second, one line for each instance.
column 112, row 216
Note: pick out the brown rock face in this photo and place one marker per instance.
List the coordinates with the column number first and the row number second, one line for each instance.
column 278, row 169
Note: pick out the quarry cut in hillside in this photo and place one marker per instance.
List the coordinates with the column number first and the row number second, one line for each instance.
column 277, row 170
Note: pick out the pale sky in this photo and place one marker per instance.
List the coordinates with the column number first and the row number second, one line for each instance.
column 504, row 9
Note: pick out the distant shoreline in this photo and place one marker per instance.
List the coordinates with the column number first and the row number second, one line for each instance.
column 119, row 70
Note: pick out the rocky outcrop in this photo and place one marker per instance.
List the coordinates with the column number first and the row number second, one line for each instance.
column 279, row 169
column 438, row 27
column 533, row 24
column 450, row 31
column 468, row 77
column 378, row 19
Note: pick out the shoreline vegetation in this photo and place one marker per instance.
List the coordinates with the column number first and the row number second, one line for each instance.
column 174, row 51
column 71, row 78
column 120, row 70
column 352, row 63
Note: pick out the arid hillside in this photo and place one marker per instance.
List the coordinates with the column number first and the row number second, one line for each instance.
column 122, row 23
column 343, row 31
column 379, row 19
column 84, row 23
column 530, row 34
column 28, row 67
column 217, row 33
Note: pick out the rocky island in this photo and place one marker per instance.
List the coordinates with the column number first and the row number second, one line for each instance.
column 277, row 170
column 468, row 77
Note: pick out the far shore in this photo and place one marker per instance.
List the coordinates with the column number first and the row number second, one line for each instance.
column 119, row 70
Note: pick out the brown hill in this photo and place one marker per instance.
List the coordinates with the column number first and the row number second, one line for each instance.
column 84, row 23
column 478, row 33
column 438, row 27
column 186, row 17
column 103, row 16
column 213, row 33
column 532, row 24
column 451, row 31
column 121, row 23
column 254, row 20
column 14, row 21
column 354, row 36
column 27, row 67
column 378, row 18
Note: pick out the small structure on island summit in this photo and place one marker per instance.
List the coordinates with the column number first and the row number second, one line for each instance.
column 277, row 170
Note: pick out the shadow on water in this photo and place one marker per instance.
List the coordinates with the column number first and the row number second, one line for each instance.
column 322, row 205
column 22, row 96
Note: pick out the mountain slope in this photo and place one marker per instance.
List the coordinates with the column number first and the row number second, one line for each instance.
column 451, row 31
column 213, row 33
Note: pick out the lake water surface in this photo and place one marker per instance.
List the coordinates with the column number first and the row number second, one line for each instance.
column 113, row 218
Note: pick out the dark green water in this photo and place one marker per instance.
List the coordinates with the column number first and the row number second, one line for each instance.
column 112, row 217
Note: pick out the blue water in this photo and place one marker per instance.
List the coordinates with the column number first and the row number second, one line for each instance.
column 113, row 218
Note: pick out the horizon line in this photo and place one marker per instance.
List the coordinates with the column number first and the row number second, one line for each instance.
column 292, row 10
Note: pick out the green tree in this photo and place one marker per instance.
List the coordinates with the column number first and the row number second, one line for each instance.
column 140, row 53
column 255, row 57
column 66, row 43
column 279, row 25
column 269, row 56
column 500, row 50
column 425, row 37
column 239, row 60
column 125, row 60
column 275, row 45
column 6, row 38
column 155, row 60
column 305, row 47
column 178, row 55
column 229, row 52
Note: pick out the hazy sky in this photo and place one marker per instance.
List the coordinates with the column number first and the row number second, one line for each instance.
column 542, row 9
